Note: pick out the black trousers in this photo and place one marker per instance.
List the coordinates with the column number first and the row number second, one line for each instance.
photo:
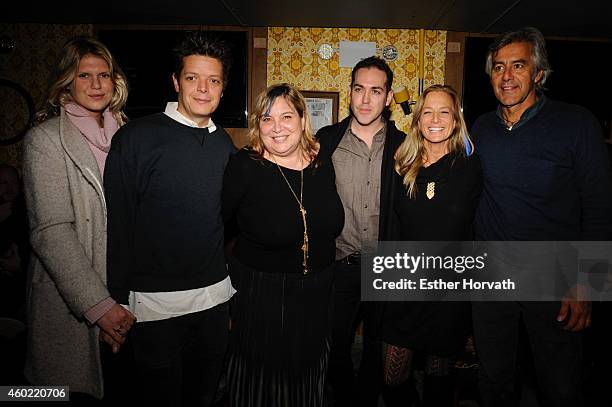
column 179, row 360
column 119, row 375
column 348, row 310
column 557, row 353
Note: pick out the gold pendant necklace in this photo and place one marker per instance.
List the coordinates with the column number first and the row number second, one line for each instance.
column 302, row 210
column 431, row 190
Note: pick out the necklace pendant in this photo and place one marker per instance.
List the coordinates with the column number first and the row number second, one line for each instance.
column 431, row 190
column 300, row 202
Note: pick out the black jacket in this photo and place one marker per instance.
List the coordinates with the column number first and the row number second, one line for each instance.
column 329, row 137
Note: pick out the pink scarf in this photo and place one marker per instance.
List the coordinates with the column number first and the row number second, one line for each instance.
column 98, row 139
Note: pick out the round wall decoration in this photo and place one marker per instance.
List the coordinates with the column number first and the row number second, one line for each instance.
column 390, row 53
column 14, row 122
column 325, row 51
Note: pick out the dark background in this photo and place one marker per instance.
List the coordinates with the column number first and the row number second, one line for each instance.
column 146, row 58
column 578, row 77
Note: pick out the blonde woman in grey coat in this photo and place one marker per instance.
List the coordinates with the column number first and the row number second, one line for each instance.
column 69, row 308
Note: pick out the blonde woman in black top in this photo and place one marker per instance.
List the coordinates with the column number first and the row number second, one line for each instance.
column 440, row 182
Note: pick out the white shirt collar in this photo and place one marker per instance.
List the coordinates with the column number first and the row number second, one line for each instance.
column 173, row 113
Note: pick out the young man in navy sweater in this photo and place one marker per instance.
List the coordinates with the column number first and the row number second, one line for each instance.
column 163, row 184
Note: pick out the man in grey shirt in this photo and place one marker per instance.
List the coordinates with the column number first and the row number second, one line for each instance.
column 362, row 148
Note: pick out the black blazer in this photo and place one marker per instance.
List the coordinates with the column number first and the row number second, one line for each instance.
column 329, row 137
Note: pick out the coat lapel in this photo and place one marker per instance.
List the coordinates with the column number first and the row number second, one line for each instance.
column 80, row 153
column 388, row 223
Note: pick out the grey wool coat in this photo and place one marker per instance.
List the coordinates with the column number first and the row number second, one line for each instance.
column 67, row 275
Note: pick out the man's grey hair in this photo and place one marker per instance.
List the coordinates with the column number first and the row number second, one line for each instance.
column 539, row 55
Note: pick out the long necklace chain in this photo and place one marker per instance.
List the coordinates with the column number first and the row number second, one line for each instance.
column 302, row 211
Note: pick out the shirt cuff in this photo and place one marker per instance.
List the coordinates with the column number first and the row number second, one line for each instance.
column 96, row 312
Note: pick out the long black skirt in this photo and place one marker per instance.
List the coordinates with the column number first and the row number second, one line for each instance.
column 280, row 338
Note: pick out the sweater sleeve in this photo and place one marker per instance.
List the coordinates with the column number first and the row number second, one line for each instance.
column 475, row 170
column 52, row 221
column 235, row 183
column 593, row 181
column 120, row 187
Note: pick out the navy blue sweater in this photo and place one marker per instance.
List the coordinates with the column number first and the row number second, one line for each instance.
column 545, row 180
column 163, row 183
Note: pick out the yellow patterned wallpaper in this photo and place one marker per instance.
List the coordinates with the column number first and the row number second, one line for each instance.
column 293, row 58
column 29, row 65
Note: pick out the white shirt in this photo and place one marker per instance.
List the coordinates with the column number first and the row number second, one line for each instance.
column 173, row 113
column 163, row 305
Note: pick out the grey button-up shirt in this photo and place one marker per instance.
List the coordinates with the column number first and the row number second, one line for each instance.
column 358, row 182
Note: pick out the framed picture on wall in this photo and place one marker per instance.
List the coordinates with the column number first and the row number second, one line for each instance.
column 322, row 108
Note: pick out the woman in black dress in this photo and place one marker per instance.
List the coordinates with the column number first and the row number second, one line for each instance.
column 283, row 198
column 440, row 180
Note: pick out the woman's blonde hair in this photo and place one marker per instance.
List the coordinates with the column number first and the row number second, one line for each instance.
column 65, row 72
column 410, row 154
column 263, row 104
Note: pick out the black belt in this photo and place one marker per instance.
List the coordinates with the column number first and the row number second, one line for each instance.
column 352, row 259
